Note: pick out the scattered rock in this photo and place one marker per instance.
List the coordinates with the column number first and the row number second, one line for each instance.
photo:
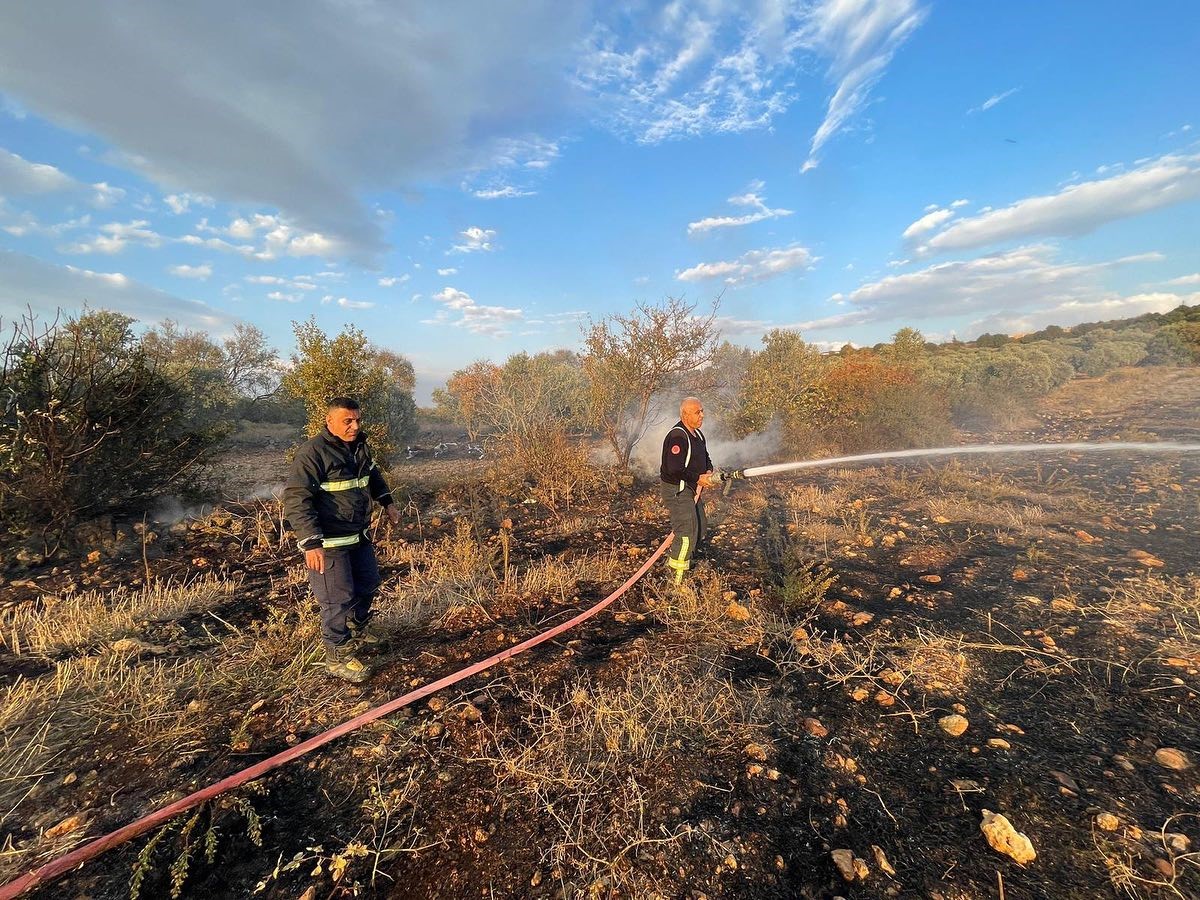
column 1170, row 758
column 133, row 645
column 1066, row 781
column 932, row 579
column 481, row 836
column 999, row 744
column 1106, row 821
column 1085, row 538
column 66, row 826
column 756, row 751
column 1178, row 843
column 859, row 694
column 881, row 860
column 436, row 704
column 883, row 698
column 815, row 728
column 861, row 618
column 470, row 713
column 850, row 866
column 1003, row 838
column 1062, row 604
column 737, row 612
column 953, row 725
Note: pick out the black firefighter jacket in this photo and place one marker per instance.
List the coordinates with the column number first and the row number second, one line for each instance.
column 327, row 499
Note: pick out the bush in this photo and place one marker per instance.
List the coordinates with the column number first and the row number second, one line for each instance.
column 349, row 366
column 91, row 424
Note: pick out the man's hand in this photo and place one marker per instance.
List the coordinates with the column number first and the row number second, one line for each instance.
column 315, row 559
column 393, row 513
column 705, row 480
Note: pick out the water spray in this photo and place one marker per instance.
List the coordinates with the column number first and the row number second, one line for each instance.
column 1078, row 447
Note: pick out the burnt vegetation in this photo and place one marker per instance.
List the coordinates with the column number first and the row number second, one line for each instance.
column 866, row 661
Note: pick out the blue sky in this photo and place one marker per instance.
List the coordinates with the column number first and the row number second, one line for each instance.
column 469, row 180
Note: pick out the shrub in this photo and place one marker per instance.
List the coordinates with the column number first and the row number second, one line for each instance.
column 348, row 365
column 91, row 424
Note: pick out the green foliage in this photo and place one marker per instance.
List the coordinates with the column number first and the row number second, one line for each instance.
column 94, row 422
column 783, row 383
column 350, row 366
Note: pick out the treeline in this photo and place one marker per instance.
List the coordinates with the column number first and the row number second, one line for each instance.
column 900, row 394
column 99, row 415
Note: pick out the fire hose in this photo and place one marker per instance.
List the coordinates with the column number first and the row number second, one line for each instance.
column 91, row 850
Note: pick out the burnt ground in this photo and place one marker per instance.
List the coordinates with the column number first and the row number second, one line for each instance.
column 720, row 741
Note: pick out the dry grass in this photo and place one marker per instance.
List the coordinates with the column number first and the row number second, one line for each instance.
column 599, row 762
column 77, row 622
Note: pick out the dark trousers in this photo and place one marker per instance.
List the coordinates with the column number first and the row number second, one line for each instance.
column 688, row 523
column 345, row 589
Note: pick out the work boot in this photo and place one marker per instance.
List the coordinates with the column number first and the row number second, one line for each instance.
column 341, row 662
column 365, row 636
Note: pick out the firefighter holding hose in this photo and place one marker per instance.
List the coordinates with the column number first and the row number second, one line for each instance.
column 686, row 470
column 327, row 500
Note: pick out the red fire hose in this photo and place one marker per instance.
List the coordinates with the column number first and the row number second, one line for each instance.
column 90, row 851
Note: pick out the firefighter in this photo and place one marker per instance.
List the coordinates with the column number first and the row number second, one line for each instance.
column 686, row 469
column 327, row 500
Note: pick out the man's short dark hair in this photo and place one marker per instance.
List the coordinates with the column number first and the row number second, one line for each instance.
column 341, row 403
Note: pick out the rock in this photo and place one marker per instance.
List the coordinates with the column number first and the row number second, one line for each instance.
column 1062, row 604
column 481, row 836
column 1170, row 758
column 436, row 704
column 859, row 694
column 881, row 860
column 1003, row 838
column 1085, row 538
column 756, row 751
column 999, row 744
column 861, row 618
column 133, row 645
column 953, row 725
column 932, row 579
column 1066, row 781
column 1106, row 821
column 850, row 866
column 892, row 677
column 883, row 698
column 470, row 713
column 737, row 612
column 66, row 826
column 1178, row 843
column 815, row 728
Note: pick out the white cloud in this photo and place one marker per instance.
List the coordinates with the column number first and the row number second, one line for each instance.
column 1073, row 312
column 1013, row 282
column 1079, row 208
column 475, row 239
column 200, row 273
column 752, row 199
column 957, row 204
column 502, row 193
column 345, row 303
column 105, row 195
column 1184, row 280
column 182, row 202
column 46, row 288
column 116, row 236
column 196, row 105
column 492, row 320
column 859, row 37
column 756, row 265
column 445, row 272
column 393, row 280
column 284, row 297
column 927, row 223
column 19, row 176
column 992, row 101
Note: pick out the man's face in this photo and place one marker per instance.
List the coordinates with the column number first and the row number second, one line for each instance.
column 692, row 416
column 344, row 423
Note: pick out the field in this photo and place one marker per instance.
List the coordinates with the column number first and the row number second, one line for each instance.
column 865, row 661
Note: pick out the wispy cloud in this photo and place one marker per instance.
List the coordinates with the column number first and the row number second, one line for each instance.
column 491, row 320
column 1010, row 283
column 859, row 37
column 393, row 280
column 927, row 223
column 756, row 265
column 20, row 176
column 752, row 199
column 199, row 273
column 992, row 101
column 1078, row 208
column 346, row 303
column 502, row 193
column 475, row 239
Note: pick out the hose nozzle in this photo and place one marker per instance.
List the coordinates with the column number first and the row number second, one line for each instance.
column 726, row 478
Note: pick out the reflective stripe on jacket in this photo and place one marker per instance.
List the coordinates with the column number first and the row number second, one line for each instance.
column 327, row 499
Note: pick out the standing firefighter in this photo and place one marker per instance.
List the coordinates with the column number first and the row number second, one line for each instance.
column 328, row 502
column 686, row 468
